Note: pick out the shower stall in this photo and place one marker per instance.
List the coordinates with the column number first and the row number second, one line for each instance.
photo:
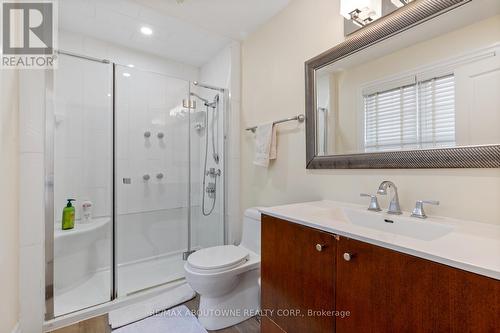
column 143, row 154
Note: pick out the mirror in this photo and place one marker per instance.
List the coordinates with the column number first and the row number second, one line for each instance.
column 430, row 88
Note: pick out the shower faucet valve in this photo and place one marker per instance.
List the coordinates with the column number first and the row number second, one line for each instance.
column 213, row 173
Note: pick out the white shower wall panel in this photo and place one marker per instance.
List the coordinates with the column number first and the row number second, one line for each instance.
column 148, row 235
column 144, row 104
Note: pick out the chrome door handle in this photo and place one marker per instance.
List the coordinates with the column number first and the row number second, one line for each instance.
column 320, row 247
column 348, row 256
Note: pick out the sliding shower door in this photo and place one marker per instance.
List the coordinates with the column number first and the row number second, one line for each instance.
column 79, row 159
column 142, row 155
column 152, row 159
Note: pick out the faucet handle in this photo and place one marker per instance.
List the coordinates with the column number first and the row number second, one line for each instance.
column 374, row 206
column 419, row 212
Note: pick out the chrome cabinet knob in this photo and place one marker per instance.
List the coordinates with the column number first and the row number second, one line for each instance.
column 320, row 247
column 146, row 177
column 147, row 134
column 159, row 176
column 160, row 135
column 348, row 256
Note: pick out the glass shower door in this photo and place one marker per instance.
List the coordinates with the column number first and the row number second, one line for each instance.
column 151, row 178
column 81, row 136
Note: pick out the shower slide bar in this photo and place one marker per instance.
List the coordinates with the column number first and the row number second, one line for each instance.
column 300, row 118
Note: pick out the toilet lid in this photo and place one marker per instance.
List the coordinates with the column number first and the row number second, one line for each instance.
column 218, row 257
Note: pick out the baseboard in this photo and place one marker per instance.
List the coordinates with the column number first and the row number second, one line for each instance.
column 16, row 329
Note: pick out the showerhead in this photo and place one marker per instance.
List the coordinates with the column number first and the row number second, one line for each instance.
column 207, row 103
column 201, row 98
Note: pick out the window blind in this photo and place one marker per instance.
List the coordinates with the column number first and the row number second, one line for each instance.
column 419, row 115
column 437, row 112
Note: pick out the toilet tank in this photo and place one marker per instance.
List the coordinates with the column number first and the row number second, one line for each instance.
column 250, row 237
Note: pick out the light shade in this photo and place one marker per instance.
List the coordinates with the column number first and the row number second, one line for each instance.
column 400, row 3
column 371, row 8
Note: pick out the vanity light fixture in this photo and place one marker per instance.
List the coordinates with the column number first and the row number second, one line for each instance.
column 146, row 30
column 361, row 12
column 400, row 3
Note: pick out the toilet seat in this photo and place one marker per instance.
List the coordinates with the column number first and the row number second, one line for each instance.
column 218, row 258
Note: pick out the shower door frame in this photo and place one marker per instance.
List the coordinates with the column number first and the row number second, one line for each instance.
column 49, row 215
column 49, row 145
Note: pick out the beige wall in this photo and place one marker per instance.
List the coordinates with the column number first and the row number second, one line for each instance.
column 273, row 87
column 9, row 166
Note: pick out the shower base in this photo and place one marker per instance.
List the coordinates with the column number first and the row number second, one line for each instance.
column 132, row 278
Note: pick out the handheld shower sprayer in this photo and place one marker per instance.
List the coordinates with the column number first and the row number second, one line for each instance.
column 210, row 189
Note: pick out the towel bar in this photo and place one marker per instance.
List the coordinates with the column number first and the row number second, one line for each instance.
column 300, row 118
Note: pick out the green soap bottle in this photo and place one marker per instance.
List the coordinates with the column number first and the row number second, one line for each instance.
column 68, row 217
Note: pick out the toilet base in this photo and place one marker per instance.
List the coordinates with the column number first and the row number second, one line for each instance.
column 242, row 303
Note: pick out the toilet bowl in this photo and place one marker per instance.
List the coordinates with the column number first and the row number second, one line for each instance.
column 227, row 278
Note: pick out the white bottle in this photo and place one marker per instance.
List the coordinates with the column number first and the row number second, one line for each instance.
column 86, row 211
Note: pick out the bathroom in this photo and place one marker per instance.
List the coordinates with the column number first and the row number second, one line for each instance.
column 251, row 166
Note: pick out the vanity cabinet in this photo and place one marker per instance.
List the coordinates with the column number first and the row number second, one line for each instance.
column 388, row 291
column 383, row 290
column 298, row 275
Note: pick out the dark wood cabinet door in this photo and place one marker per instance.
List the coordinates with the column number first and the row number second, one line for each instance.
column 387, row 291
column 296, row 277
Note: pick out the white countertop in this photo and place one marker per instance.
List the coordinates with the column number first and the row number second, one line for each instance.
column 471, row 246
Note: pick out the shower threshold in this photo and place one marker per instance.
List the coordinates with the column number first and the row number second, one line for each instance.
column 138, row 282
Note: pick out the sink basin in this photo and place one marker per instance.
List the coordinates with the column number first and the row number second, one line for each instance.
column 400, row 225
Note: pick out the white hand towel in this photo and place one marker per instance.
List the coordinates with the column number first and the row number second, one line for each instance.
column 265, row 145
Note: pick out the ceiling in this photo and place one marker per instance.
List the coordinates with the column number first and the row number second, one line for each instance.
column 188, row 31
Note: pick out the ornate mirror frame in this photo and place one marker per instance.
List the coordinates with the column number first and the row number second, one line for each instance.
column 419, row 11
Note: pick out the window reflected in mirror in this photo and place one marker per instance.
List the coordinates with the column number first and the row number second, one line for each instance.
column 436, row 92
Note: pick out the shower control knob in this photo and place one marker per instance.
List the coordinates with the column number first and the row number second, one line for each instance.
column 147, row 134
column 159, row 175
column 161, row 135
column 146, row 177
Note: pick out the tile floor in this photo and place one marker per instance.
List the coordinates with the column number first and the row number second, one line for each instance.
column 100, row 324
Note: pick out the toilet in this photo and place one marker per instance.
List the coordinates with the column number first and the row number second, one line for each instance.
column 227, row 277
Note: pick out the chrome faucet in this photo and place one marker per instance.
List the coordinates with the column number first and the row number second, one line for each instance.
column 374, row 206
column 419, row 211
column 394, row 207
